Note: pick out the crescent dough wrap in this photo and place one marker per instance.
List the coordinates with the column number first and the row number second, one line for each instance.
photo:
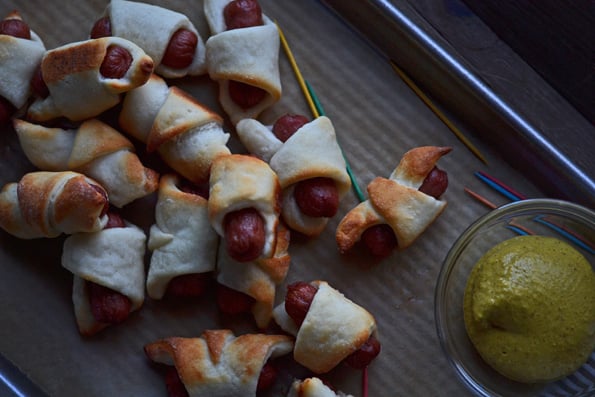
column 313, row 387
column 151, row 27
column 333, row 328
column 258, row 279
column 218, row 364
column 239, row 181
column 94, row 149
column 247, row 55
column 312, row 151
column 47, row 204
column 396, row 201
column 77, row 88
column 182, row 240
column 187, row 135
column 113, row 258
column 19, row 58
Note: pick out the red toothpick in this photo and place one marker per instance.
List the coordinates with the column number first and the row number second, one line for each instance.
column 498, row 182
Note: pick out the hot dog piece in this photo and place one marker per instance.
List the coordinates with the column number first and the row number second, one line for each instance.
column 406, row 203
column 21, row 50
column 245, row 95
column 298, row 299
column 188, row 285
column 168, row 37
column 15, row 28
column 182, row 242
column 242, row 14
column 180, row 51
column 244, row 234
column 267, row 377
column 435, row 184
column 363, row 356
column 317, row 197
column 219, row 363
column 380, row 240
column 287, row 125
column 101, row 28
column 322, row 340
column 108, row 306
column 231, row 301
column 39, row 86
column 308, row 160
column 116, row 62
column 108, row 275
column 174, row 385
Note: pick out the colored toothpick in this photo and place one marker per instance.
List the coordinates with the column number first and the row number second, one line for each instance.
column 315, row 105
column 458, row 133
column 500, row 186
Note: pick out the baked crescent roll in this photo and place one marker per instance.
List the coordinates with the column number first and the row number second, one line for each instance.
column 94, row 149
column 219, row 364
column 152, row 28
column 47, row 204
column 19, row 58
column 334, row 327
column 241, row 182
column 112, row 258
column 182, row 240
column 187, row 135
column 258, row 279
column 313, row 387
column 248, row 55
column 397, row 201
column 86, row 78
column 311, row 152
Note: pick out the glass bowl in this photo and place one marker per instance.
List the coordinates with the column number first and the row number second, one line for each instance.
column 567, row 221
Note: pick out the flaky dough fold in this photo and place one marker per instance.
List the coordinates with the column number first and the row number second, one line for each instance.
column 219, row 364
column 94, row 149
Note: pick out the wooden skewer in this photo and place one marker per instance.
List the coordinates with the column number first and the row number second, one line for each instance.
column 438, row 113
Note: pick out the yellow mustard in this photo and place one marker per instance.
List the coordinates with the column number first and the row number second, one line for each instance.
column 529, row 308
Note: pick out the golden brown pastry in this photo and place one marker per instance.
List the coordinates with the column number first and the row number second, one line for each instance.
column 108, row 275
column 187, row 135
column 167, row 36
column 310, row 155
column 47, row 204
column 86, row 78
column 244, row 60
column 244, row 206
column 219, row 364
column 21, row 50
column 94, row 149
column 407, row 202
column 182, row 241
column 328, row 327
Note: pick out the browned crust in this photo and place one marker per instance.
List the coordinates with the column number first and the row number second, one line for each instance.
column 81, row 201
column 417, row 163
column 96, row 139
column 63, row 61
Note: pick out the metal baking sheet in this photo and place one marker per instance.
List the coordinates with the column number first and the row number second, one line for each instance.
column 377, row 119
